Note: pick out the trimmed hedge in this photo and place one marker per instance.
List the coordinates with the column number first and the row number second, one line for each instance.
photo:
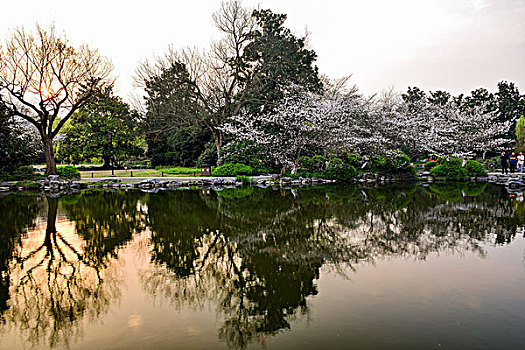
column 312, row 165
column 338, row 170
column 68, row 171
column 452, row 169
column 230, row 169
column 429, row 165
column 475, row 168
column 395, row 163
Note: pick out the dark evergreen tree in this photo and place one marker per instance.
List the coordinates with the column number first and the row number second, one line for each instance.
column 277, row 58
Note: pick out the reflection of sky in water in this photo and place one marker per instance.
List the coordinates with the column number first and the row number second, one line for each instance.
column 271, row 270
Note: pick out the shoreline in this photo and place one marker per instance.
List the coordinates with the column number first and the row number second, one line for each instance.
column 54, row 185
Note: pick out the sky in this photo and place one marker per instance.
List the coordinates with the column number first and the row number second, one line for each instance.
column 452, row 45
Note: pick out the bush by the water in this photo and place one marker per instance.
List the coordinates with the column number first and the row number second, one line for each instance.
column 230, row 169
column 352, row 159
column 25, row 172
column 449, row 169
column 314, row 164
column 68, row 171
column 395, row 163
column 333, row 168
column 452, row 169
column 475, row 168
column 429, row 165
column 178, row 170
column 338, row 170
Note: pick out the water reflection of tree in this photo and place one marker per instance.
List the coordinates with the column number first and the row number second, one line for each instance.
column 59, row 278
column 105, row 221
column 258, row 256
column 17, row 214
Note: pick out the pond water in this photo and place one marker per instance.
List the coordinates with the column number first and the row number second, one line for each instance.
column 338, row 267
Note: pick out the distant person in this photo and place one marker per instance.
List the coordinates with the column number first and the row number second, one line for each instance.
column 513, row 160
column 521, row 161
column 433, row 158
column 504, row 164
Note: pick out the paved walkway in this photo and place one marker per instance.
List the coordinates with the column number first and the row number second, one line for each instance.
column 498, row 173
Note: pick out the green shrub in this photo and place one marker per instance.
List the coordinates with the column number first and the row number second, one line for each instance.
column 430, row 165
column 475, row 168
column 68, row 171
column 313, row 164
column 317, row 163
column 186, row 171
column 395, row 163
column 352, row 159
column 338, row 170
column 25, row 170
column 398, row 160
column 230, row 169
column 450, row 169
column 304, row 174
column 378, row 163
column 304, row 163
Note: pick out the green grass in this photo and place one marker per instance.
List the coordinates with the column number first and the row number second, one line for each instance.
column 142, row 173
column 185, row 171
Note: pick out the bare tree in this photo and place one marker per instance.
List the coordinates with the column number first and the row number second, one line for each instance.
column 251, row 66
column 214, row 78
column 334, row 88
column 44, row 80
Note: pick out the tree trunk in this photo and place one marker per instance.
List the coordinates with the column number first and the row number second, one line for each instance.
column 51, row 167
column 217, row 137
column 51, row 230
column 107, row 162
column 52, row 208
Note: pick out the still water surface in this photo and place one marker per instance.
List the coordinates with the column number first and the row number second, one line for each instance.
column 325, row 267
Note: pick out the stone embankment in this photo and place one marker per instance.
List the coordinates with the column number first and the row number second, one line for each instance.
column 54, row 184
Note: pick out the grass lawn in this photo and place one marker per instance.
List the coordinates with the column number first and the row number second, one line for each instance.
column 142, row 173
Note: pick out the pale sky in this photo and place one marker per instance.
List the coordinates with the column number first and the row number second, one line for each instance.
column 453, row 45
